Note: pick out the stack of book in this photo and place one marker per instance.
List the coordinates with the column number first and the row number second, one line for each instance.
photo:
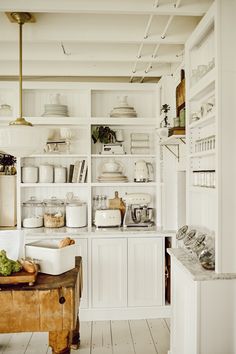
column 78, row 172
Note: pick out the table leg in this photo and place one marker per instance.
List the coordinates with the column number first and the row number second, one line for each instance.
column 60, row 341
column 75, row 336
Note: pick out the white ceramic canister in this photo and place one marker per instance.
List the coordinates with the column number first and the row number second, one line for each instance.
column 45, row 174
column 60, row 173
column 29, row 174
column 76, row 213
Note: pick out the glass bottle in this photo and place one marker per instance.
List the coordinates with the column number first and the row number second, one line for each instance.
column 103, row 202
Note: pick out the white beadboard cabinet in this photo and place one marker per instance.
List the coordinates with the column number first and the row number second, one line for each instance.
column 8, row 214
column 145, row 271
column 82, row 250
column 203, row 316
column 109, row 272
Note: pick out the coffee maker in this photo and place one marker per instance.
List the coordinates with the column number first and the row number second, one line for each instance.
column 138, row 213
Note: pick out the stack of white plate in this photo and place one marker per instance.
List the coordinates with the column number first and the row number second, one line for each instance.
column 55, row 110
column 123, row 111
column 112, row 177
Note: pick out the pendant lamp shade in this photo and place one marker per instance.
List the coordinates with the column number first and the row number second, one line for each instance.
column 20, row 138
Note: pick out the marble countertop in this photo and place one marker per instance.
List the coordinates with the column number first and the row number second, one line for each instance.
column 90, row 232
column 191, row 264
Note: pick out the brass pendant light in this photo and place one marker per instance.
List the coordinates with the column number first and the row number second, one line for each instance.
column 21, row 18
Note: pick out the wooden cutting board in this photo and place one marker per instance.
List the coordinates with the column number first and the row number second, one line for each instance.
column 117, row 203
column 19, row 277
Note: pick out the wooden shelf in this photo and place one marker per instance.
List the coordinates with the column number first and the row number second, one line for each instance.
column 53, row 185
column 48, row 155
column 125, row 184
column 205, row 85
column 123, row 155
column 209, row 119
column 202, row 154
column 174, row 140
column 123, row 121
column 199, row 189
column 58, row 120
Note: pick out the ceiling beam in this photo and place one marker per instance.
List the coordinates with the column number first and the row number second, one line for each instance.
column 155, row 39
column 194, row 8
column 84, row 69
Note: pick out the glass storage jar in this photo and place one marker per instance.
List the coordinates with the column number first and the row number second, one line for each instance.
column 54, row 212
column 76, row 213
column 33, row 211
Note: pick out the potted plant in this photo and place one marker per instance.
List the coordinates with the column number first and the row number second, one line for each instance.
column 165, row 108
column 7, row 164
column 104, row 135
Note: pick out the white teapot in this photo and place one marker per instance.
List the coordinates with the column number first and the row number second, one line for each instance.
column 143, row 171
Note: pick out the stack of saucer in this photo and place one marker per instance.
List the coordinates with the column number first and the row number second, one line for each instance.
column 112, row 177
column 55, row 110
column 123, row 112
column 123, row 109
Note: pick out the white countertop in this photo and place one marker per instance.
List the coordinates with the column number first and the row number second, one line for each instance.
column 86, row 232
column 193, row 267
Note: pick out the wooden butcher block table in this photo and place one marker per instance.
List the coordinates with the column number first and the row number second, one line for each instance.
column 51, row 305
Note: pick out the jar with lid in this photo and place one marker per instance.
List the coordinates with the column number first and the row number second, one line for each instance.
column 76, row 213
column 32, row 213
column 54, row 212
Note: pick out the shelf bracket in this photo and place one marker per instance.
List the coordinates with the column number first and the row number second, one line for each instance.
column 182, row 140
column 173, row 152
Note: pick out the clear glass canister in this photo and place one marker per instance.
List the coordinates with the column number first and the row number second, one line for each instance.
column 33, row 211
column 54, row 212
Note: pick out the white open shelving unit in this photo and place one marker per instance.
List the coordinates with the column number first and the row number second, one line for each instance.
column 89, row 106
column 211, row 208
column 201, row 50
column 111, row 257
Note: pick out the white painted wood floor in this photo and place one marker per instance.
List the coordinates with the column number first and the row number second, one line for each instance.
column 102, row 337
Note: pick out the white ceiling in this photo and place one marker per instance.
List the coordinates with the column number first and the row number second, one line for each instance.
column 131, row 39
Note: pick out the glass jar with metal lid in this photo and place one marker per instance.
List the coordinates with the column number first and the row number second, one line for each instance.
column 32, row 211
column 54, row 212
column 76, row 213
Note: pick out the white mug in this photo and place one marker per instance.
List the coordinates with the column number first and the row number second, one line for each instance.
column 45, row 174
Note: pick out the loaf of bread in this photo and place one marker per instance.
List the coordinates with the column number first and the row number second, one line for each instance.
column 66, row 242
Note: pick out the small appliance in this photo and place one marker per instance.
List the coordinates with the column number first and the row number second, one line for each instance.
column 110, row 149
column 107, row 218
column 143, row 171
column 137, row 212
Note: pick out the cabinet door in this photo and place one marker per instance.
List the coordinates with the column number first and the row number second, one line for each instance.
column 81, row 245
column 184, row 318
column 109, row 272
column 145, row 271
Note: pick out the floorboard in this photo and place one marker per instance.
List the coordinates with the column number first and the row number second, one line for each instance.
column 38, row 344
column 142, row 338
column 18, row 343
column 4, row 340
column 99, row 337
column 121, row 338
column 160, row 334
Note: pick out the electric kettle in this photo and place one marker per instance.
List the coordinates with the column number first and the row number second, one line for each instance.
column 143, row 171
